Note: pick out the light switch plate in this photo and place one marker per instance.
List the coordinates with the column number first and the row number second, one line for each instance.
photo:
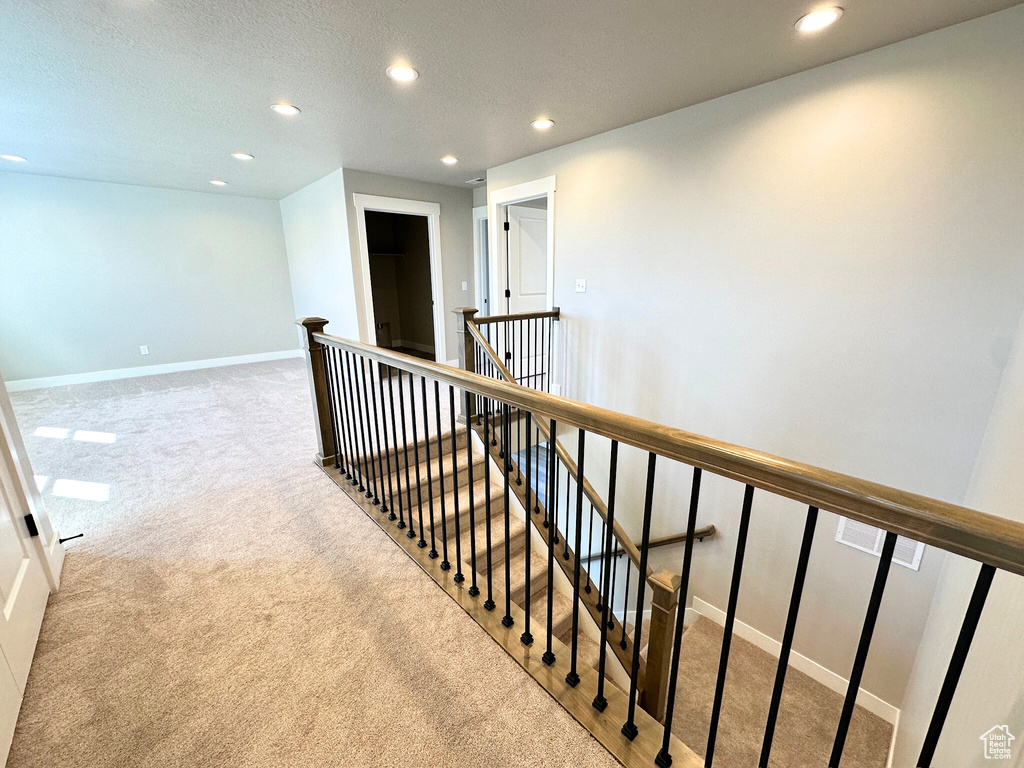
column 581, row 285
column 465, row 285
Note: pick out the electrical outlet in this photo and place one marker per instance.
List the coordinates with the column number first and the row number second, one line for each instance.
column 465, row 285
column 144, row 349
column 581, row 285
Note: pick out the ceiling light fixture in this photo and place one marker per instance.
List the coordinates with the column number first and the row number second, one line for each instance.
column 242, row 156
column 449, row 160
column 13, row 158
column 402, row 73
column 817, row 20
column 542, row 123
column 218, row 183
column 283, row 108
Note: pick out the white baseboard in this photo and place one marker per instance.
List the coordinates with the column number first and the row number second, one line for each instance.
column 147, row 370
column 812, row 669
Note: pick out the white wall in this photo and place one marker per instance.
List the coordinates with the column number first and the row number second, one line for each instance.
column 825, row 267
column 991, row 691
column 456, row 235
column 90, row 271
column 319, row 259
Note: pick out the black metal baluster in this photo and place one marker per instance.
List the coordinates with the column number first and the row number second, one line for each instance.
column 787, row 635
column 365, row 456
column 664, row 758
column 329, row 375
column 629, row 729
column 474, row 590
column 590, row 543
column 573, row 678
column 551, row 342
column 387, row 445
column 611, row 597
column 549, row 654
column 507, row 620
column 445, row 564
column 568, row 507
column 432, row 554
column 527, row 637
column 956, row 664
column 405, row 459
column 600, row 702
column 369, row 432
column 489, row 602
column 351, row 452
column 415, row 455
column 625, row 604
column 730, row 620
column 459, row 577
column 392, row 373
column 376, row 431
column 874, row 603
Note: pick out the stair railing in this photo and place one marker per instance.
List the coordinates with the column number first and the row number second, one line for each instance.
column 518, row 348
column 357, row 426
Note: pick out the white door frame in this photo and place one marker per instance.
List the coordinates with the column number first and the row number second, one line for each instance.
column 432, row 211
column 480, row 214
column 518, row 193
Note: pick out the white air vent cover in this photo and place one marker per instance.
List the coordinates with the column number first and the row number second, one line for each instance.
column 869, row 539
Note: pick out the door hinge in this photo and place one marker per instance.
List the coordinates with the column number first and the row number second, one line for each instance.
column 506, row 226
column 508, row 294
column 30, row 523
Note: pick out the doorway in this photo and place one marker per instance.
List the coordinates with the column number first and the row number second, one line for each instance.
column 401, row 268
column 523, row 272
column 399, row 251
column 521, row 247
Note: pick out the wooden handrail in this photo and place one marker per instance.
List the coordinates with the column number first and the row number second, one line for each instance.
column 570, row 464
column 554, row 313
column 976, row 535
column 700, row 534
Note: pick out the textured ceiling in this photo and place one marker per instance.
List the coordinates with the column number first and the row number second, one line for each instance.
column 160, row 92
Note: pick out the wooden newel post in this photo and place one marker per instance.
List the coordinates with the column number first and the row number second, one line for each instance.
column 467, row 354
column 317, row 387
column 665, row 599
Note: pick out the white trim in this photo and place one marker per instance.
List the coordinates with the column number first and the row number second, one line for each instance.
column 517, row 193
column 480, row 214
column 148, row 370
column 432, row 211
column 812, row 669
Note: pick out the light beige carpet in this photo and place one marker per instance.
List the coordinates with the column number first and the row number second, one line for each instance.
column 808, row 715
column 229, row 606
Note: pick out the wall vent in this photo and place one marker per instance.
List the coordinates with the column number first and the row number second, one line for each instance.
column 869, row 539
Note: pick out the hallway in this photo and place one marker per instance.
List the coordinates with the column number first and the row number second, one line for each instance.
column 227, row 606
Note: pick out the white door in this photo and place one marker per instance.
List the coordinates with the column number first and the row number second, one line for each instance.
column 29, row 566
column 525, row 271
column 23, row 594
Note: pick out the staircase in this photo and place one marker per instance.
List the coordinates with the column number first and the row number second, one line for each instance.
column 445, row 462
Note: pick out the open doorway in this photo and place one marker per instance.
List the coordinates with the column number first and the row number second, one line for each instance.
column 523, row 272
column 400, row 256
column 399, row 250
column 521, row 269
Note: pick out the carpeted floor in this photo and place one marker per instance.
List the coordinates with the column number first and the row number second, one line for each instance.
column 808, row 715
column 228, row 606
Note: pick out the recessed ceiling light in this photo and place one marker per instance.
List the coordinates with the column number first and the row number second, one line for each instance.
column 242, row 156
column 402, row 73
column 819, row 19
column 449, row 160
column 285, row 109
column 218, row 183
column 13, row 158
column 542, row 123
